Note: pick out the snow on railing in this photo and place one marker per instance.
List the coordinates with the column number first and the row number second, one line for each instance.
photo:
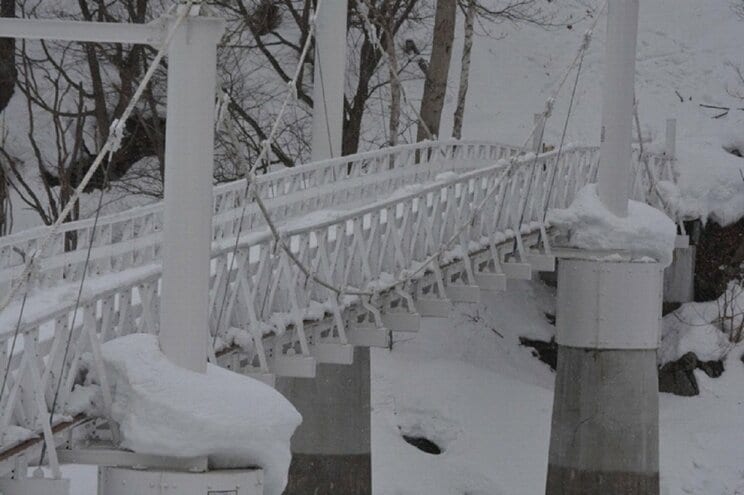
column 132, row 238
column 264, row 308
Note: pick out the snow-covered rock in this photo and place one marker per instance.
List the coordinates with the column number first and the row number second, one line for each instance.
column 711, row 182
column 163, row 409
column 646, row 231
column 703, row 329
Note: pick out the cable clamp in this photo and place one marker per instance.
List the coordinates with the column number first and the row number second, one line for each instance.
column 292, row 85
column 116, row 135
column 549, row 104
column 587, row 39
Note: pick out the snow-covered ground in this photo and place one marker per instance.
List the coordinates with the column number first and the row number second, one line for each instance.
column 464, row 381
column 685, row 46
column 467, row 384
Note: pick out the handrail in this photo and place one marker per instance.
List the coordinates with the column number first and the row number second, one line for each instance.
column 288, row 192
column 261, row 292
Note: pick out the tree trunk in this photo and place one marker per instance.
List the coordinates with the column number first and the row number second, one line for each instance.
column 8, row 77
column 4, row 204
column 435, row 87
column 395, row 91
column 8, row 72
column 464, row 70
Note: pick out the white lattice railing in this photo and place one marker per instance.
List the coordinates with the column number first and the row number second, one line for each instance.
column 132, row 238
column 270, row 315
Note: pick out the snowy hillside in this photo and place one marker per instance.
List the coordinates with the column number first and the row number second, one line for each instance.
column 467, row 384
column 687, row 52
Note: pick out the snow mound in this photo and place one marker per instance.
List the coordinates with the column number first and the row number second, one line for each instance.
column 646, row 231
column 709, row 329
column 711, row 183
column 685, row 331
column 165, row 410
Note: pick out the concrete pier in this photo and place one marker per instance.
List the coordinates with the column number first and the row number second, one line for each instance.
column 604, row 437
column 331, row 449
column 679, row 277
column 605, row 427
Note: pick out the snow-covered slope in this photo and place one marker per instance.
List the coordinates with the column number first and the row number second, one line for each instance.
column 466, row 384
column 687, row 52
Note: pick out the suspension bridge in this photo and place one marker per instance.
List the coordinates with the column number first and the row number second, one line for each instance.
column 304, row 264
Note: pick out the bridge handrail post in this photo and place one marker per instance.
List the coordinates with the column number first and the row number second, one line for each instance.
column 670, row 147
column 537, row 137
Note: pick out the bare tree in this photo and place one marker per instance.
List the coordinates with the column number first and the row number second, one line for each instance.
column 8, row 75
column 435, row 86
column 467, row 49
column 738, row 7
column 74, row 91
column 514, row 11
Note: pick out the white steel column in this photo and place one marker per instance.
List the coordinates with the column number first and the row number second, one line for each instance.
column 617, row 107
column 328, row 83
column 604, row 435
column 187, row 217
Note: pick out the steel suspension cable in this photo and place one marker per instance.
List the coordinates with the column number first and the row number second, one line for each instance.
column 248, row 168
column 112, row 144
column 409, row 275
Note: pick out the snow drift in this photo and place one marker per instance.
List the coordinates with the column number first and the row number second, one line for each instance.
column 165, row 410
column 646, row 231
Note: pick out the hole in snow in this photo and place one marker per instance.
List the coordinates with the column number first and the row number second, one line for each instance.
column 734, row 150
column 423, row 444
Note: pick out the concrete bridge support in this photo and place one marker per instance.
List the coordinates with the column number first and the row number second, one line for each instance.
column 331, row 449
column 605, row 427
column 679, row 277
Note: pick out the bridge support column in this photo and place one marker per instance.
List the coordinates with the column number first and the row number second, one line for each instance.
column 679, row 277
column 329, row 80
column 331, row 449
column 187, row 206
column 605, row 427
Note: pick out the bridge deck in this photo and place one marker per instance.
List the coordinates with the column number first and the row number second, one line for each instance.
column 270, row 319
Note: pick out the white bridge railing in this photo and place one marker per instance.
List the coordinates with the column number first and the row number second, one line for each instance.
column 132, row 238
column 268, row 317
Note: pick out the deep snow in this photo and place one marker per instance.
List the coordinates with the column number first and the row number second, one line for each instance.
column 588, row 224
column 482, row 396
column 467, row 383
column 685, row 46
column 232, row 419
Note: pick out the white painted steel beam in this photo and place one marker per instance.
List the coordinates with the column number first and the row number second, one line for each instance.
column 187, row 215
column 122, row 481
column 123, row 458
column 517, row 271
column 34, row 486
column 368, row 336
column 491, row 281
column 433, row 308
column 463, row 293
column 402, row 322
column 297, row 366
column 617, row 108
column 328, row 83
column 541, row 262
column 94, row 32
column 330, row 353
